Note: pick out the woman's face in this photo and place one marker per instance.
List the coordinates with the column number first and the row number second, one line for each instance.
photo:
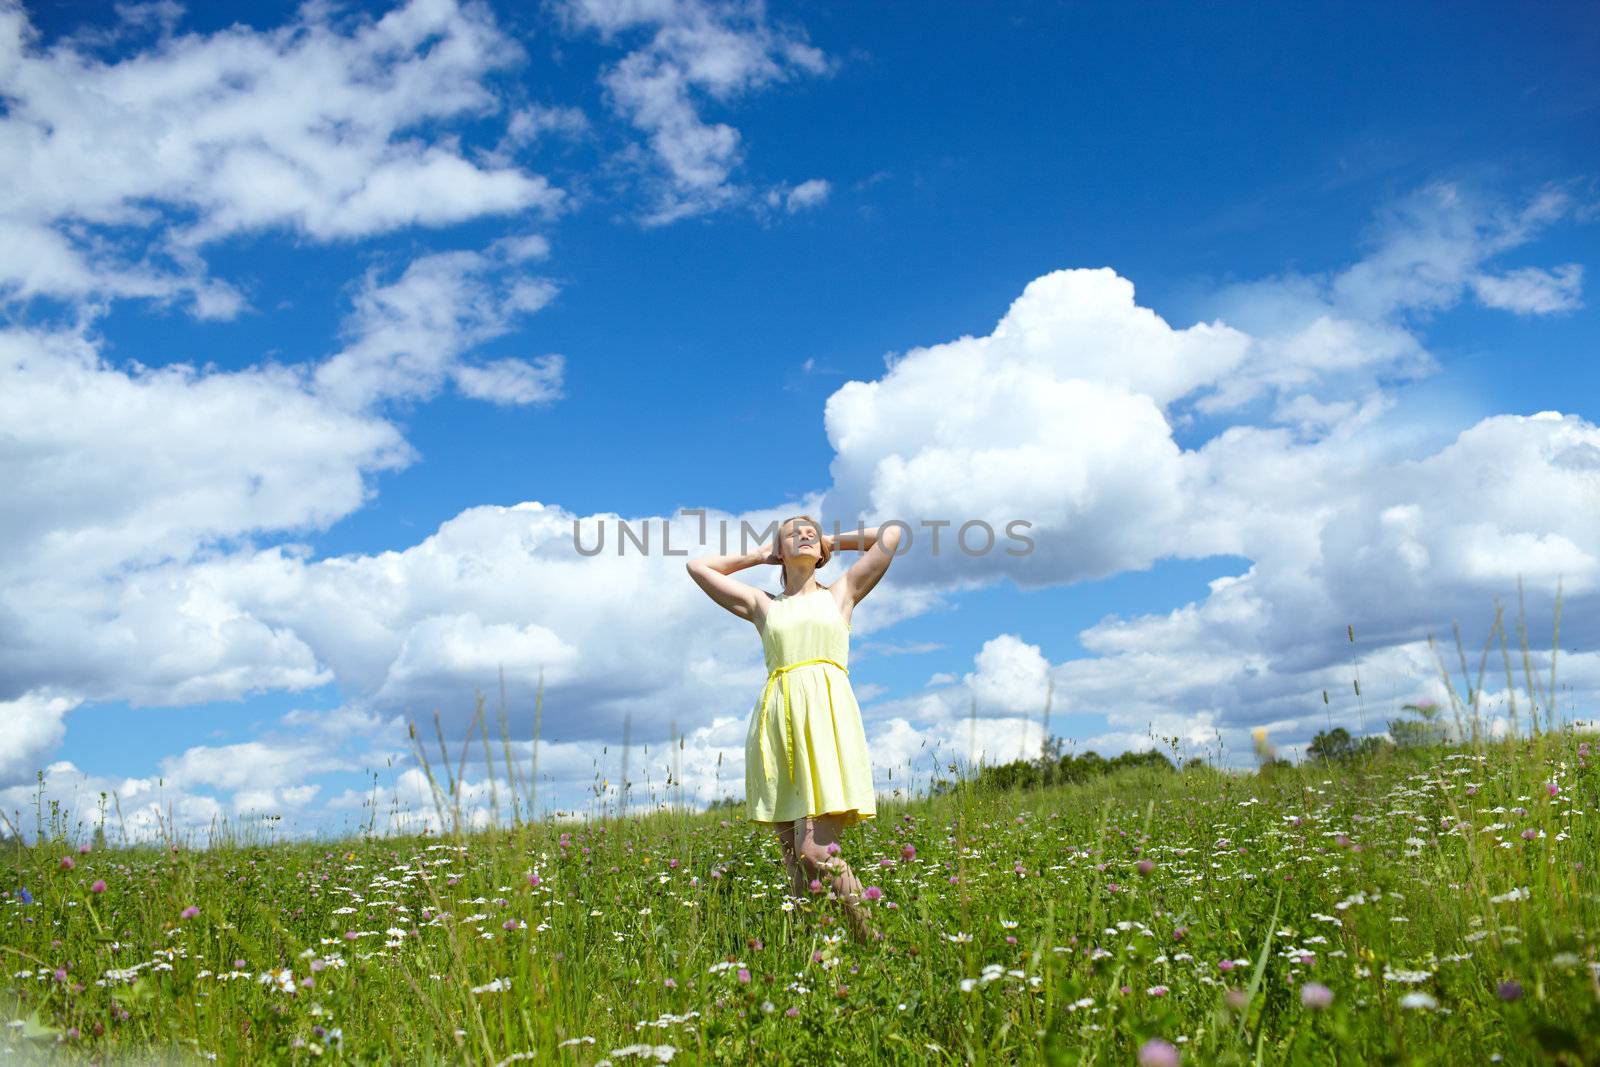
column 802, row 539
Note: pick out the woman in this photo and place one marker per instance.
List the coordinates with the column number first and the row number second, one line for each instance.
column 807, row 772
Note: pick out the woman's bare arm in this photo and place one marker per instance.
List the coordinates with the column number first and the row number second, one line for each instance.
column 878, row 547
column 711, row 574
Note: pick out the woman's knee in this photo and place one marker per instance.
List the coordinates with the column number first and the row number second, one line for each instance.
column 814, row 857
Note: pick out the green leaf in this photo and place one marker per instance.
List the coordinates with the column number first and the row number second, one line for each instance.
column 34, row 1028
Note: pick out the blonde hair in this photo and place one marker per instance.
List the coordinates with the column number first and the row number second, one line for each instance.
column 822, row 543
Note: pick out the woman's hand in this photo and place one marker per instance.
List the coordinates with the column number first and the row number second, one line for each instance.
column 767, row 553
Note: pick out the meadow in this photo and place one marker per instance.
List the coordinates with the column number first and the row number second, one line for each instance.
column 1423, row 905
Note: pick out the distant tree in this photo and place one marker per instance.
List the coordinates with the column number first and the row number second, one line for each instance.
column 1337, row 746
column 1330, row 746
column 1423, row 731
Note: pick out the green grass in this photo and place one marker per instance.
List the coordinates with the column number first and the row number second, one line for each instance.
column 1394, row 883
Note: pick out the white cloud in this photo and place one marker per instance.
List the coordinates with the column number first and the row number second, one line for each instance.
column 1062, row 415
column 512, row 381
column 324, row 126
column 34, row 725
column 696, row 49
column 110, row 466
column 120, row 477
column 253, row 765
column 409, row 336
column 807, row 194
column 1056, row 418
column 1347, row 330
column 1011, row 676
column 1531, row 290
column 136, row 809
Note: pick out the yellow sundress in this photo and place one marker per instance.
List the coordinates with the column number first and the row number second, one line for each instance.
column 806, row 751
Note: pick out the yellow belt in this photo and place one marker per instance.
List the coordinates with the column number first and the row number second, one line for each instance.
column 788, row 713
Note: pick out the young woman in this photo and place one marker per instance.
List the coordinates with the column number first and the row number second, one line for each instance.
column 807, row 773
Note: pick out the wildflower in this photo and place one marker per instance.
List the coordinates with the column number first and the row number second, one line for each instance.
column 1510, row 990
column 908, row 852
column 885, row 862
column 1316, row 996
column 816, row 886
column 1529, row 834
column 1552, row 788
column 24, row 896
column 1146, row 866
column 83, row 850
column 872, row 892
column 1425, row 1001
column 833, row 848
column 792, row 1012
column 1158, row 991
column 99, row 886
column 670, row 983
column 188, row 913
column 744, row 976
column 533, row 881
column 67, row 863
column 1018, row 869
column 279, row 978
column 1224, row 966
column 1158, row 1053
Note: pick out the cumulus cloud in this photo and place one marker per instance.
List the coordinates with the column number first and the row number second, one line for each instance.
column 697, row 52
column 1063, row 415
column 330, row 127
column 135, row 809
column 408, row 336
column 1011, row 675
column 175, row 462
column 1056, row 418
column 33, row 728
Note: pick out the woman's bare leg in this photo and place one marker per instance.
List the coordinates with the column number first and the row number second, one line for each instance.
column 791, row 860
column 812, row 838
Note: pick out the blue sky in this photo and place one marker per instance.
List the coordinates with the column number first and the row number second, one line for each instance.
column 1248, row 310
